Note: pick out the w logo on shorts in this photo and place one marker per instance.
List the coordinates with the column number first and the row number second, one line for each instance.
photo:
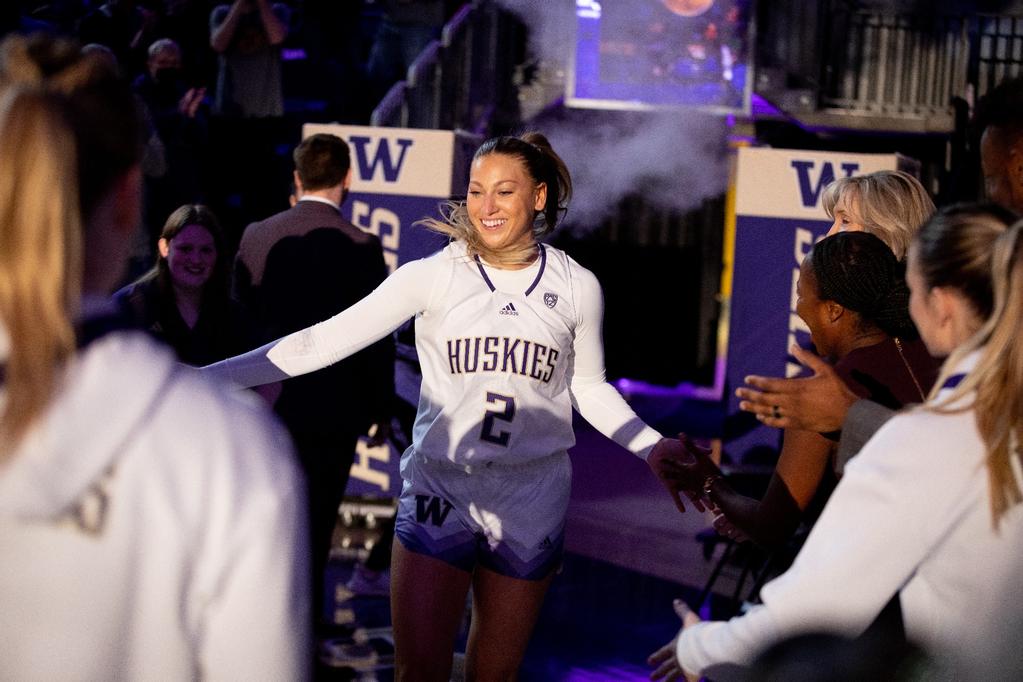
column 429, row 507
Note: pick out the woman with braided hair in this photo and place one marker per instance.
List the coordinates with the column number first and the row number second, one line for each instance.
column 852, row 295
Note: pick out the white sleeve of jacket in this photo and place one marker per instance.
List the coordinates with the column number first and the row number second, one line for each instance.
column 886, row 515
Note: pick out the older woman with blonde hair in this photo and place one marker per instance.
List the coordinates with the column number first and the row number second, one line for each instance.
column 891, row 205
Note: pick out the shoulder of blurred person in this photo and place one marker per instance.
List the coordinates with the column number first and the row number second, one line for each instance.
column 130, row 488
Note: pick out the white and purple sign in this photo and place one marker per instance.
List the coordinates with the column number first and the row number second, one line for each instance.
column 779, row 216
column 399, row 176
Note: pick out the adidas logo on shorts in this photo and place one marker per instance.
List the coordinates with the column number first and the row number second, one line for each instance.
column 509, row 310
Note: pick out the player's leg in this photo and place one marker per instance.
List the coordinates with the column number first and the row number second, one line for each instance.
column 504, row 612
column 427, row 603
column 516, row 566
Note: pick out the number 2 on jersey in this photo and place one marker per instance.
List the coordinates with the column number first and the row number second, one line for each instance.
column 505, row 413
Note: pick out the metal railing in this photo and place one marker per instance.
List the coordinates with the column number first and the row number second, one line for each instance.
column 456, row 82
column 895, row 64
column 999, row 50
column 876, row 67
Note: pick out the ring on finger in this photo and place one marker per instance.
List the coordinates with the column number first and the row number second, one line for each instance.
column 776, row 412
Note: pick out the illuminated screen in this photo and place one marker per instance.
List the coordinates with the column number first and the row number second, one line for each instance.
column 641, row 54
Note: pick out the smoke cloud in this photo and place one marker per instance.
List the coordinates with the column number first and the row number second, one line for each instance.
column 674, row 159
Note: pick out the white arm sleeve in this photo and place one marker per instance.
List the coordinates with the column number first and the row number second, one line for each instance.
column 595, row 399
column 404, row 294
column 883, row 519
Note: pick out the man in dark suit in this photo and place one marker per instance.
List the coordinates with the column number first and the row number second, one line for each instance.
column 294, row 269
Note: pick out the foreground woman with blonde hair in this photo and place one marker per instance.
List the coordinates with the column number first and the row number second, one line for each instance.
column 148, row 521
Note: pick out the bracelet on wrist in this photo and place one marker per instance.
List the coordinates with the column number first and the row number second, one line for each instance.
column 708, row 483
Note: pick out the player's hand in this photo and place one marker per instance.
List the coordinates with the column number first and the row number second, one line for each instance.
column 689, row 472
column 676, row 464
column 668, row 668
column 815, row 403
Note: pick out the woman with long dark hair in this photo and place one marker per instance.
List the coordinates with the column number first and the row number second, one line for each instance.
column 183, row 300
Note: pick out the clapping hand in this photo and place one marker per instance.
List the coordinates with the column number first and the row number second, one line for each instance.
column 815, row 403
column 668, row 668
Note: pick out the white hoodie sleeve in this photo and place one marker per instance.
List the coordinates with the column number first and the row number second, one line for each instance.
column 595, row 399
column 891, row 510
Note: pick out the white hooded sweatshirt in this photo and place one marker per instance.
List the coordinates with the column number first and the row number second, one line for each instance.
column 151, row 528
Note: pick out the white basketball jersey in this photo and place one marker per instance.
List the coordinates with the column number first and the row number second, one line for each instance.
column 496, row 363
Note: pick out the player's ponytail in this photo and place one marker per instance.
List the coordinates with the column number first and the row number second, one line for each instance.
column 998, row 376
column 549, row 168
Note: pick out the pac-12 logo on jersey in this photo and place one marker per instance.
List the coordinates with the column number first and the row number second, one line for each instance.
column 550, row 299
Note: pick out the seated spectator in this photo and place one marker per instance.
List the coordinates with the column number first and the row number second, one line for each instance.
column 930, row 511
column 184, row 299
column 890, row 205
column 853, row 297
column 406, row 28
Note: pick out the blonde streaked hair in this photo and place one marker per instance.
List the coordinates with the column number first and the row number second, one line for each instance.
column 988, row 258
column 891, row 205
column 40, row 253
column 544, row 166
column 68, row 129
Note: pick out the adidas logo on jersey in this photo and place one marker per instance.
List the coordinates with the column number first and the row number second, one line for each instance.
column 509, row 310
